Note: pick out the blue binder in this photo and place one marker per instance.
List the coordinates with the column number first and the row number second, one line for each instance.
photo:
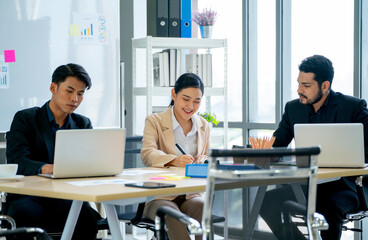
column 162, row 18
column 186, row 19
column 174, row 18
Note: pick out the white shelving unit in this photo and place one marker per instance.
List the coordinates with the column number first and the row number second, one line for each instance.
column 149, row 91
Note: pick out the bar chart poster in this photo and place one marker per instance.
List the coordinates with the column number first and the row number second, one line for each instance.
column 92, row 29
column 4, row 75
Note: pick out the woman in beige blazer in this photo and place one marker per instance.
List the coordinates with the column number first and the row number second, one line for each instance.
column 178, row 124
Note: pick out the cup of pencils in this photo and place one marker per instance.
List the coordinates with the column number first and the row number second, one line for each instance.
column 261, row 143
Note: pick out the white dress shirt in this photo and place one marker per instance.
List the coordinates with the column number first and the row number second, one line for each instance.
column 189, row 142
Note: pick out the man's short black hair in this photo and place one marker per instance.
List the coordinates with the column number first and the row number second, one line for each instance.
column 320, row 66
column 71, row 70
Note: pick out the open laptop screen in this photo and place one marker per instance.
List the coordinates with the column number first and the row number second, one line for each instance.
column 342, row 144
column 89, row 152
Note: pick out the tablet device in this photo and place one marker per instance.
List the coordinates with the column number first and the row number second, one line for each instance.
column 150, row 185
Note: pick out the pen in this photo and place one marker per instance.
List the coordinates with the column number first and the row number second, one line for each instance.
column 180, row 149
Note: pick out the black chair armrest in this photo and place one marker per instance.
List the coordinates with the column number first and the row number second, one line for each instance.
column 22, row 233
column 9, row 220
column 359, row 183
column 288, row 209
column 193, row 225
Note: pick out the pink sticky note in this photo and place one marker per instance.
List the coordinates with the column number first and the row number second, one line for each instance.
column 9, row 55
column 157, row 178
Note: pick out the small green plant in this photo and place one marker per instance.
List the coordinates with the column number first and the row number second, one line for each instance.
column 211, row 118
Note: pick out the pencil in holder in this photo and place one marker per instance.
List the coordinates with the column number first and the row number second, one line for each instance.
column 261, row 143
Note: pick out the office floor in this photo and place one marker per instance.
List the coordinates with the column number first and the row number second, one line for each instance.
column 140, row 234
column 345, row 236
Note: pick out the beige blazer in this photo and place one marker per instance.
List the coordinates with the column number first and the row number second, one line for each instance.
column 159, row 141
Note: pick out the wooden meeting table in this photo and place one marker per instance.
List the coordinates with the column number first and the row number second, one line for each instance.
column 118, row 194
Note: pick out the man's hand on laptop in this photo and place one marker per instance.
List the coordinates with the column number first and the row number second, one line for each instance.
column 47, row 168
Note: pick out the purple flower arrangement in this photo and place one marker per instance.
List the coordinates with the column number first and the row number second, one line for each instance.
column 205, row 18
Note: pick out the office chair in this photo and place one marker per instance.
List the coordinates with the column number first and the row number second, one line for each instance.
column 131, row 217
column 292, row 209
column 134, row 218
column 142, row 222
column 223, row 176
column 7, row 224
column 25, row 233
column 8, row 230
column 354, row 217
column 362, row 212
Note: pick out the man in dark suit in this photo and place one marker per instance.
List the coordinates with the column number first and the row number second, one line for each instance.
column 30, row 144
column 317, row 103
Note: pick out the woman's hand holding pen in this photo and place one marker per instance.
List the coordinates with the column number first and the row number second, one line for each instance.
column 182, row 160
column 185, row 159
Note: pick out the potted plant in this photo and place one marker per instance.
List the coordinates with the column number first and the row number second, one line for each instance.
column 210, row 117
column 205, row 19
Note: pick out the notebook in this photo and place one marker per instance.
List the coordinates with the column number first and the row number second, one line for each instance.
column 342, row 144
column 88, row 153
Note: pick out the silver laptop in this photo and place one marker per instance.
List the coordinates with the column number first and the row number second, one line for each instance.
column 342, row 144
column 88, row 153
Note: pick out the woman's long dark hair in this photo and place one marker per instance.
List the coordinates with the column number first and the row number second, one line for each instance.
column 187, row 80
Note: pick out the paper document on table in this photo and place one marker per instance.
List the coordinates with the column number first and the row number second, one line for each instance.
column 101, row 182
column 139, row 172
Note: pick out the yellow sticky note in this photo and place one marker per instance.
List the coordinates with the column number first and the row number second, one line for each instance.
column 74, row 30
column 175, row 178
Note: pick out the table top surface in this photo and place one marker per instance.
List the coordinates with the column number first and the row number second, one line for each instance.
column 324, row 173
column 60, row 188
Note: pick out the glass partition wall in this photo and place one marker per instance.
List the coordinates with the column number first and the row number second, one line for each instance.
column 278, row 35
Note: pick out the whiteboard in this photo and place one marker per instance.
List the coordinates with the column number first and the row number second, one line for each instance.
column 39, row 33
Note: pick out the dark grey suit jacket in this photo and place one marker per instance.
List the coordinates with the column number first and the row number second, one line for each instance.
column 340, row 109
column 30, row 142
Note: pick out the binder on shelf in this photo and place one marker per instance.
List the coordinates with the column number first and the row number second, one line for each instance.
column 166, row 68
column 200, row 66
column 174, row 18
column 186, row 19
column 204, row 70
column 178, row 65
column 191, row 63
column 156, row 69
column 172, row 66
column 162, row 69
column 162, row 24
column 209, row 69
column 152, row 18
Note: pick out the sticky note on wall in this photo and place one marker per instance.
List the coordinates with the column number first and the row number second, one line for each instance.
column 74, row 30
column 9, row 55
